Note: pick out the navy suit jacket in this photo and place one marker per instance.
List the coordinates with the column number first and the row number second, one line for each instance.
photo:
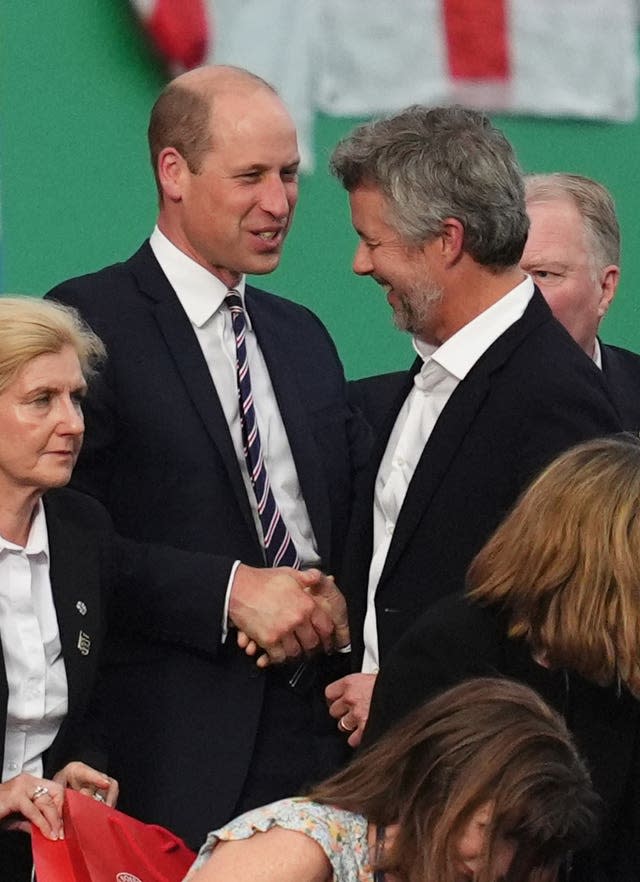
column 158, row 453
column 622, row 371
column 375, row 396
column 533, row 394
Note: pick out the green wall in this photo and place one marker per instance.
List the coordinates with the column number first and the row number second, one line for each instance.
column 76, row 84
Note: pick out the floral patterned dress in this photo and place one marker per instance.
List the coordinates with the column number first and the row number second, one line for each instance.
column 342, row 835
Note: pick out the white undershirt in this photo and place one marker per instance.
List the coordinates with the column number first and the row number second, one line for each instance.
column 443, row 368
column 36, row 676
column 597, row 354
column 202, row 297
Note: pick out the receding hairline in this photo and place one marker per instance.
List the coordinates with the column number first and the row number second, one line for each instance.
column 592, row 201
column 217, row 80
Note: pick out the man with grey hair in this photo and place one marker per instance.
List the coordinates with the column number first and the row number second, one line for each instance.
column 573, row 255
column 497, row 390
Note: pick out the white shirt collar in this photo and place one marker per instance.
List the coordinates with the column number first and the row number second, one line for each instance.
column 38, row 538
column 597, row 354
column 459, row 353
column 199, row 291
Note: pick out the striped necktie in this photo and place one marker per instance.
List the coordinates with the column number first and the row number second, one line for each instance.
column 278, row 545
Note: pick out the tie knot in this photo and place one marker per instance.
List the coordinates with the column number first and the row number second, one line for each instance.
column 234, row 301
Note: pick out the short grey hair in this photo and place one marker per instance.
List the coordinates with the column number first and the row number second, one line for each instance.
column 594, row 204
column 435, row 163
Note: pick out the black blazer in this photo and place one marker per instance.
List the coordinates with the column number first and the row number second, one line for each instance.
column 158, row 453
column 622, row 372
column 81, row 573
column 455, row 640
column 80, row 546
column 533, row 394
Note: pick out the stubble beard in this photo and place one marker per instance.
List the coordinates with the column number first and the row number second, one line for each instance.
column 416, row 308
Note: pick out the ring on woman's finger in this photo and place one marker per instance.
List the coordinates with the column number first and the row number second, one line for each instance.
column 38, row 792
column 343, row 726
column 98, row 797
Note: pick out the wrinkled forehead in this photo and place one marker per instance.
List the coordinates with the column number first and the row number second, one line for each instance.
column 556, row 226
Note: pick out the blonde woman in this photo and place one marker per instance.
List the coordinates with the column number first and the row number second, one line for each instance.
column 54, row 576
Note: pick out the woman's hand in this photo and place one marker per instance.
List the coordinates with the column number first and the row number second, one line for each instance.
column 26, row 800
column 79, row 776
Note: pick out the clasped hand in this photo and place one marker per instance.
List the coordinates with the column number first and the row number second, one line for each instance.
column 287, row 613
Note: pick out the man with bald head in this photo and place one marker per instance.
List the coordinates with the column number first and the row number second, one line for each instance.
column 573, row 255
column 221, row 426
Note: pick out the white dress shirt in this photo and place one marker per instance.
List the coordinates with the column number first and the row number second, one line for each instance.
column 597, row 354
column 35, row 671
column 202, row 296
column 443, row 368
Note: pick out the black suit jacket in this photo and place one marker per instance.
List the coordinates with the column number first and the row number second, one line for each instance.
column 533, row 394
column 81, row 556
column 81, row 572
column 159, row 454
column 455, row 640
column 622, row 371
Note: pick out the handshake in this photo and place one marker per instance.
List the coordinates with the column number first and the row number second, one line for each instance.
column 287, row 613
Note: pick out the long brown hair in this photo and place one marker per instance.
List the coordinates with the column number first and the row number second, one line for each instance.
column 483, row 741
column 565, row 563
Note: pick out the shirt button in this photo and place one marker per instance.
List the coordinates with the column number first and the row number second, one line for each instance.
column 389, row 528
column 398, row 462
column 13, row 766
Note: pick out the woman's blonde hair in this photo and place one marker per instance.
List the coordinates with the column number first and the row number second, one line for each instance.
column 484, row 741
column 565, row 563
column 30, row 327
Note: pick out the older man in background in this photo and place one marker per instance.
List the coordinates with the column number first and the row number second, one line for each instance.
column 573, row 255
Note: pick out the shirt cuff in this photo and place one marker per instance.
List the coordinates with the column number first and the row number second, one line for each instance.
column 227, row 598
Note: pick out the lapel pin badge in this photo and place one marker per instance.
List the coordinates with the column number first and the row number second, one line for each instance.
column 81, row 606
column 84, row 643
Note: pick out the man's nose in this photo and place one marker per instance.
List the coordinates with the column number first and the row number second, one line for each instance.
column 274, row 198
column 362, row 265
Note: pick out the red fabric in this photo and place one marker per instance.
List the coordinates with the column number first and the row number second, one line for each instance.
column 179, row 31
column 477, row 39
column 102, row 844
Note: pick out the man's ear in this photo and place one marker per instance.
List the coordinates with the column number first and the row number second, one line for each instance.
column 172, row 169
column 609, row 278
column 451, row 240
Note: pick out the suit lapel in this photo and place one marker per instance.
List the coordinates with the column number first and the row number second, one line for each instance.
column 363, row 506
column 448, row 434
column 4, row 698
column 181, row 341
column 273, row 344
column 452, row 426
column 75, row 572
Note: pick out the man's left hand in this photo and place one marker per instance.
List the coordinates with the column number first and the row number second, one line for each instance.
column 349, row 699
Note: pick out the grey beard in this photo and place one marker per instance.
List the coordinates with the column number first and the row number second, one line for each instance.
column 416, row 307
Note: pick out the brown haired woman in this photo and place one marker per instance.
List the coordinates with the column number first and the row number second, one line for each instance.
column 481, row 783
column 553, row 600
